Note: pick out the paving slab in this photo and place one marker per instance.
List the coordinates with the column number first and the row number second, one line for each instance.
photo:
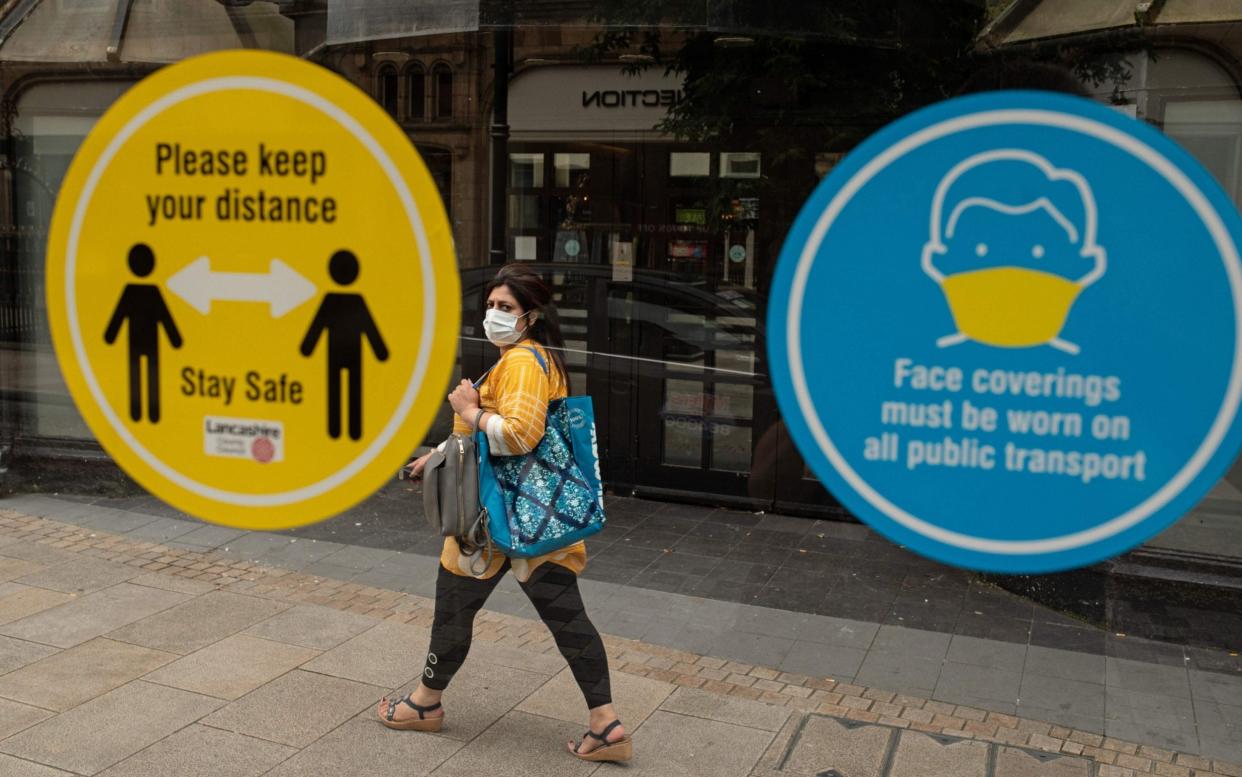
column 726, row 709
column 989, row 653
column 90, row 616
column 671, row 632
column 103, row 731
column 358, row 558
column 44, row 555
column 115, row 521
column 526, row 745
column 1149, row 678
column 914, row 642
column 28, row 601
column 817, row 659
column 312, row 626
column 18, row 767
column 66, row 679
column 1092, row 723
column 363, row 748
column 387, row 655
column 1214, row 687
column 1065, row 664
column 15, row 717
column 480, row 694
column 674, row 745
column 762, row 649
column 13, row 568
column 16, row 653
column 1072, row 697
column 903, row 673
column 162, row 530
column 967, row 684
column 296, row 553
column 230, row 668
column 295, row 709
column 81, row 576
column 1180, row 739
column 211, row 536
column 1012, row 762
column 173, row 583
column 199, row 622
column 837, row 631
column 1149, row 709
column 546, row 664
column 919, row 755
column 635, row 698
column 824, row 743
column 201, row 751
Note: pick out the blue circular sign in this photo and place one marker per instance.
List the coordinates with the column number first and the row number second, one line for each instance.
column 1005, row 332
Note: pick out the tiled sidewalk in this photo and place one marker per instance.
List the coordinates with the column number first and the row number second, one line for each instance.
column 1164, row 695
column 126, row 657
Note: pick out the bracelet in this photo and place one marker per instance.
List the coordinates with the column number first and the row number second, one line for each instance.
column 478, row 418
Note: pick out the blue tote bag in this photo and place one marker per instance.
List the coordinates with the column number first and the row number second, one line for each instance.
column 549, row 498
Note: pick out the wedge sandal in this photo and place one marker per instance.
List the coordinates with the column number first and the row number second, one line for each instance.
column 621, row 750
column 421, row 723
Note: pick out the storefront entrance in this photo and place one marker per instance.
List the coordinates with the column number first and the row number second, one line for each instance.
column 657, row 253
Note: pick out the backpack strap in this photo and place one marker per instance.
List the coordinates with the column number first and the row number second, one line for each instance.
column 538, row 357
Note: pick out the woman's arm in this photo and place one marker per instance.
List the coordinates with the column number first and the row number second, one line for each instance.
column 521, row 392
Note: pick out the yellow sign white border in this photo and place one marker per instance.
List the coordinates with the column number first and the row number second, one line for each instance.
column 441, row 290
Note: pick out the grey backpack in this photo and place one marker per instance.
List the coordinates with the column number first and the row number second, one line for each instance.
column 451, row 492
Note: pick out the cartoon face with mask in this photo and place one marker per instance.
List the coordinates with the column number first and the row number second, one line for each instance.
column 1012, row 245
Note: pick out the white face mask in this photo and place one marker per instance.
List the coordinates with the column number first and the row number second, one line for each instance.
column 501, row 327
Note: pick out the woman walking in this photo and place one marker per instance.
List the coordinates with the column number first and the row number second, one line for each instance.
column 511, row 408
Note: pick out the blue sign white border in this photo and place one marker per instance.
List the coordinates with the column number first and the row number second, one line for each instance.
column 809, row 232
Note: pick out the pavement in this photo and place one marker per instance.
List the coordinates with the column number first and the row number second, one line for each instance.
column 133, row 643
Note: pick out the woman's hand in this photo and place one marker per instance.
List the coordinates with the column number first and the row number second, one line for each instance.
column 415, row 468
column 464, row 399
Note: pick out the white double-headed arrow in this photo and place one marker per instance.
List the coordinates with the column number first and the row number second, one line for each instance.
column 281, row 287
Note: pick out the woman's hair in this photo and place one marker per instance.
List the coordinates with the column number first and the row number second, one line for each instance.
column 533, row 293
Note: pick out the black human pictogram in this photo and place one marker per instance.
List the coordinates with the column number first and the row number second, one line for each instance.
column 143, row 306
column 347, row 320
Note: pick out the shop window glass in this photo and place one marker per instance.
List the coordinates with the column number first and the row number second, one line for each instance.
column 525, row 248
column 683, row 423
column 443, row 93
column 439, row 163
column 732, row 400
column 416, row 92
column 50, row 122
column 525, row 171
column 689, row 164
column 524, row 211
column 730, row 447
column 387, row 87
column 1212, row 131
column 739, row 165
column 571, row 169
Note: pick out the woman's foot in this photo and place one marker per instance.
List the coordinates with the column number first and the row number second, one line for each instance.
column 607, row 743
column 419, row 710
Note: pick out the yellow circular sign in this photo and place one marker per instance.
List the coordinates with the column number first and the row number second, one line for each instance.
column 252, row 289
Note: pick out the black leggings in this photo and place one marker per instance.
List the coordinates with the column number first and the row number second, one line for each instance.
column 554, row 592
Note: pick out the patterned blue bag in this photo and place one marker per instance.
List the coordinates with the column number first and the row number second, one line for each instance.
column 549, row 498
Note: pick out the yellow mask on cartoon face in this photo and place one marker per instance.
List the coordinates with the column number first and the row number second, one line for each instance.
column 1011, row 307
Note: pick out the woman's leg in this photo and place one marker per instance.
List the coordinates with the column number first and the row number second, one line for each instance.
column 458, row 600
column 554, row 592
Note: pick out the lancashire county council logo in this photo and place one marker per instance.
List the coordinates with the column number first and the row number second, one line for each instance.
column 262, row 449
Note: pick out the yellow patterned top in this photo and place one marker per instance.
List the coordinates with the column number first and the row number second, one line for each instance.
column 518, row 392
